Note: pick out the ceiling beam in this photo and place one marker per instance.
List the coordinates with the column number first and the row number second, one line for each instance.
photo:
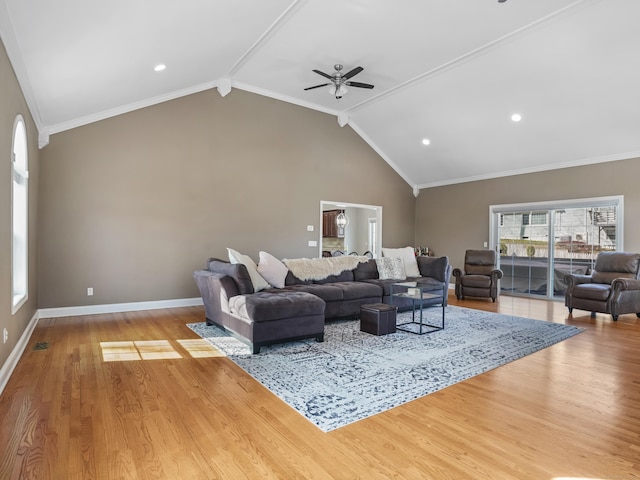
column 471, row 54
column 227, row 80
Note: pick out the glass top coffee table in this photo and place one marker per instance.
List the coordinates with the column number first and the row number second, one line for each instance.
column 417, row 294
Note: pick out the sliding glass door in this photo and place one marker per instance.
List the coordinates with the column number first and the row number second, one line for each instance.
column 524, row 254
column 541, row 243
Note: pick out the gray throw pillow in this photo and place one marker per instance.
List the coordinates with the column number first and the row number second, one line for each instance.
column 391, row 268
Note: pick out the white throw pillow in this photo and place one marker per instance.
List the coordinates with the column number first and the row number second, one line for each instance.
column 408, row 255
column 391, row 268
column 259, row 283
column 272, row 269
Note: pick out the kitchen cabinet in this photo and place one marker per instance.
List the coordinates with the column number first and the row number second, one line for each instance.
column 329, row 226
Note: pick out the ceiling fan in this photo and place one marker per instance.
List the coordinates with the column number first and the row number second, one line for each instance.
column 340, row 81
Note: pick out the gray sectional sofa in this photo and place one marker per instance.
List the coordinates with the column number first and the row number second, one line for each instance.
column 300, row 309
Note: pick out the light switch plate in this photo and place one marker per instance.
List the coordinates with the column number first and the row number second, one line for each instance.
column 313, row 243
column 309, row 228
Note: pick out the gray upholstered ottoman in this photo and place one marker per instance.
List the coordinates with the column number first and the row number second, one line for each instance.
column 378, row 318
column 277, row 317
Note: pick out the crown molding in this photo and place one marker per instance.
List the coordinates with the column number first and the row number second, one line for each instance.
column 284, row 98
column 8, row 36
column 112, row 112
column 380, row 152
column 543, row 168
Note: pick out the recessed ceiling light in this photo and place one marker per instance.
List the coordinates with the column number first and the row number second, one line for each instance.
column 160, row 67
column 516, row 117
column 426, row 141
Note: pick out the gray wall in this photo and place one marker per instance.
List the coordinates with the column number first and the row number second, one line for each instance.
column 13, row 103
column 454, row 218
column 133, row 204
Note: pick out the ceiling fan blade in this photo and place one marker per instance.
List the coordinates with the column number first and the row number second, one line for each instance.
column 358, row 84
column 326, row 75
column 317, row 86
column 353, row 72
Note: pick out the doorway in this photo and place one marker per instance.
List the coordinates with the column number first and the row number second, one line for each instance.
column 539, row 244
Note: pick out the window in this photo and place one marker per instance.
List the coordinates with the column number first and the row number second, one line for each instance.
column 539, row 218
column 541, row 243
column 19, row 221
column 533, row 218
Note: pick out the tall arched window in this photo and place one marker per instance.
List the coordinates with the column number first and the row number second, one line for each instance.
column 20, row 195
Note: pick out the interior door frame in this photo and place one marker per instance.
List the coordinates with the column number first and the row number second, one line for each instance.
column 377, row 209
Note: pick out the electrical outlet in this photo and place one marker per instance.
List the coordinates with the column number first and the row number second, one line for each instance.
column 89, row 291
column 5, row 335
column 485, row 245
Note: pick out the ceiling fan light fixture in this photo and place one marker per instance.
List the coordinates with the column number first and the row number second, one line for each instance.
column 338, row 90
column 338, row 82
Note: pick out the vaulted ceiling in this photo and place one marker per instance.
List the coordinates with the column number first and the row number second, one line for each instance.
column 452, row 72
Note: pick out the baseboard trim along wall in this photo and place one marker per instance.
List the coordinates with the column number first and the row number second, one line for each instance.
column 13, row 358
column 117, row 307
column 125, row 307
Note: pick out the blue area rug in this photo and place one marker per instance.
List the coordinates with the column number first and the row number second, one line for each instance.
column 353, row 375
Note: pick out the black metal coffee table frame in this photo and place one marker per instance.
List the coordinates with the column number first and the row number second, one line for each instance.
column 417, row 294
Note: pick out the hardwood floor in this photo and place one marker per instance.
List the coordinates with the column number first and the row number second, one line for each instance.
column 138, row 396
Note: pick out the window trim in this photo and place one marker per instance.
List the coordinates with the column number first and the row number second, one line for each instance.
column 617, row 200
column 17, row 300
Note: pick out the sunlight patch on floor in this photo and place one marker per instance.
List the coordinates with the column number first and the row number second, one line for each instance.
column 200, row 348
column 138, row 350
column 133, row 350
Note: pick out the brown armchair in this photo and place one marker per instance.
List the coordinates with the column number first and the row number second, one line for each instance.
column 480, row 277
column 613, row 287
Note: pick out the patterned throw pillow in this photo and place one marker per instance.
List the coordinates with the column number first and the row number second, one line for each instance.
column 408, row 256
column 391, row 268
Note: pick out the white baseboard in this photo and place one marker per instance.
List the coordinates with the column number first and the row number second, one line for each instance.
column 126, row 307
column 117, row 307
column 12, row 361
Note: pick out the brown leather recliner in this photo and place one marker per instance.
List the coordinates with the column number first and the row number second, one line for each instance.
column 480, row 277
column 613, row 287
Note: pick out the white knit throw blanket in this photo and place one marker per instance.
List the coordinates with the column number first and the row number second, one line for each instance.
column 321, row 268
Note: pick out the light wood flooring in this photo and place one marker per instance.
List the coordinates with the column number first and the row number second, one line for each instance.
column 138, row 396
